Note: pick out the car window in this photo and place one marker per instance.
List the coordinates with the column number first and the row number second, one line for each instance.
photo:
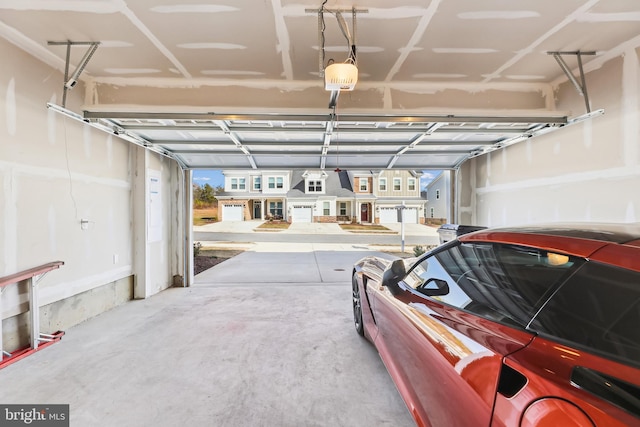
column 598, row 309
column 505, row 283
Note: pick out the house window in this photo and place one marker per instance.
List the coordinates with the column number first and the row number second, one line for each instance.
column 275, row 182
column 382, row 184
column 257, row 183
column 397, row 184
column 364, row 184
column 275, row 209
column 431, row 212
column 437, row 194
column 343, row 209
column 314, row 186
column 326, row 209
column 237, row 183
column 411, row 184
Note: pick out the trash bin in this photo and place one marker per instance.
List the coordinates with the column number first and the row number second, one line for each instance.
column 448, row 232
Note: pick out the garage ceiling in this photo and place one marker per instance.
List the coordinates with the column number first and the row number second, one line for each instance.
column 237, row 84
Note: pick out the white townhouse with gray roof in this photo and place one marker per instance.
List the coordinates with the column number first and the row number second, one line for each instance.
column 322, row 196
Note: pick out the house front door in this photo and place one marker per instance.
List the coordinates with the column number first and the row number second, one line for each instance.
column 364, row 212
column 257, row 209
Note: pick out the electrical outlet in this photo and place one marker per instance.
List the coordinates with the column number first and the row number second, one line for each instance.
column 115, row 258
column 84, row 224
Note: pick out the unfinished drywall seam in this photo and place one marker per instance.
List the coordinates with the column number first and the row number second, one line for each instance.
column 487, row 182
column 10, row 214
column 124, row 9
column 51, row 225
column 505, row 162
column 86, row 141
column 625, row 172
column 550, row 98
column 415, row 38
column 387, row 99
column 11, row 108
column 50, row 173
column 109, row 151
column 283, row 39
column 31, row 47
column 630, row 106
column 90, row 92
column 534, row 46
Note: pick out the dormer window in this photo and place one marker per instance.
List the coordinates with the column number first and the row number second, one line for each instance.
column 314, row 186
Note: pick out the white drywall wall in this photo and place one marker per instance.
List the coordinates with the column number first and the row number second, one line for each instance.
column 584, row 172
column 57, row 173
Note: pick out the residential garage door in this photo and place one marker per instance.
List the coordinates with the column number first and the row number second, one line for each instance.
column 411, row 216
column 301, row 214
column 232, row 213
column 390, row 215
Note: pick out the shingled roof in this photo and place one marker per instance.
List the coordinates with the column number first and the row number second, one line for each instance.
column 336, row 184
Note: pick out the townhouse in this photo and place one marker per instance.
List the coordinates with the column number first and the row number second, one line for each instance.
column 322, row 196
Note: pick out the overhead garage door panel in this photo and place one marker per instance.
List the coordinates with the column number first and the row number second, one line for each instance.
column 411, row 216
column 271, row 141
column 232, row 213
column 215, row 161
column 302, row 214
column 390, row 216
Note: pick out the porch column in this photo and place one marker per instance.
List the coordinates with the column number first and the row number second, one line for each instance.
column 285, row 212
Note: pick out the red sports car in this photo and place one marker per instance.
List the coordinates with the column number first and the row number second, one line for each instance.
column 536, row 326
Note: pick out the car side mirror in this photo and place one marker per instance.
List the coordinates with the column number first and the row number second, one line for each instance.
column 434, row 287
column 393, row 275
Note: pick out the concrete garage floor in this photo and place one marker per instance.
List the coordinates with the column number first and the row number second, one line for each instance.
column 263, row 339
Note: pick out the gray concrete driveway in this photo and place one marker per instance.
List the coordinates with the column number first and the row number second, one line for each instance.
column 289, row 311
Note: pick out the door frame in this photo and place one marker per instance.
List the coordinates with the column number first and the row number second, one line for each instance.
column 365, row 212
column 257, row 214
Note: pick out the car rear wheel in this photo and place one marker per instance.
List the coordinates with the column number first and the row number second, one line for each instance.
column 357, row 305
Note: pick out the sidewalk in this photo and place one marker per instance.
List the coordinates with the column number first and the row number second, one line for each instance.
column 311, row 228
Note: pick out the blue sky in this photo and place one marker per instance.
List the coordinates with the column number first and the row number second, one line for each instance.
column 215, row 178
column 205, row 176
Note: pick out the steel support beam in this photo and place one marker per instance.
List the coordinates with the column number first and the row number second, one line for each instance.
column 581, row 86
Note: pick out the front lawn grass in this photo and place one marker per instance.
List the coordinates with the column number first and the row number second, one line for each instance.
column 274, row 225
column 205, row 216
column 364, row 227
